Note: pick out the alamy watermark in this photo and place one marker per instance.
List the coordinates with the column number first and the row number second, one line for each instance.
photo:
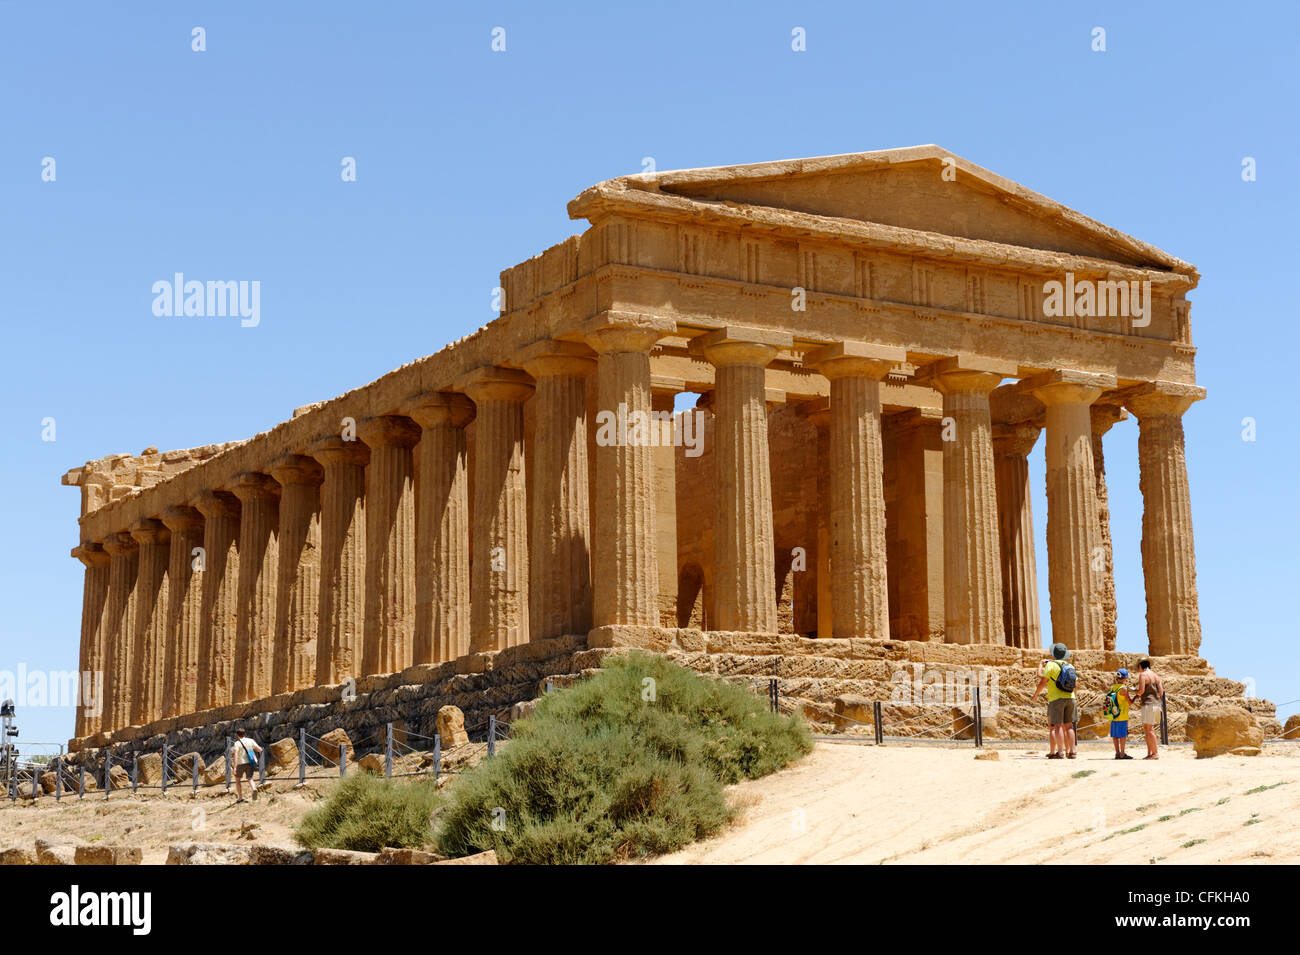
column 1086, row 298
column 54, row 688
column 654, row 429
column 193, row 299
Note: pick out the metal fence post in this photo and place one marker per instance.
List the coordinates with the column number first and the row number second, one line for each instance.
column 58, row 778
column 979, row 720
column 261, row 768
column 388, row 751
column 194, row 774
column 229, row 756
column 492, row 735
column 81, row 782
column 1164, row 721
column 164, row 769
column 135, row 772
column 875, row 719
column 302, row 757
column 437, row 755
column 773, row 695
column 108, row 773
column 343, row 759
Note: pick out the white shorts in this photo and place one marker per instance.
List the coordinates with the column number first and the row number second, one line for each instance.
column 1151, row 712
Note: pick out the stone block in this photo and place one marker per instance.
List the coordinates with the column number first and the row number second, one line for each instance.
column 1224, row 730
column 107, row 855
column 451, row 726
column 344, row 857
column 329, row 744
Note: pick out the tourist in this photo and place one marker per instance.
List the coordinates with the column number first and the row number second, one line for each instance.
column 1117, row 701
column 1151, row 692
column 245, row 753
column 1060, row 679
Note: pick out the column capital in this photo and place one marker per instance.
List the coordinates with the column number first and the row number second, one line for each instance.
column 389, row 430
column 120, row 544
column 333, row 449
column 297, row 469
column 1014, row 440
column 178, row 518
column 1105, row 416
column 966, row 373
column 496, row 383
column 434, row 409
column 1065, row 386
column 914, row 418
column 255, row 486
column 1010, row 404
column 148, row 530
column 1155, row 399
column 91, row 553
column 547, row 358
column 211, row 504
column 613, row 332
column 740, row 346
column 816, row 411
column 854, row 359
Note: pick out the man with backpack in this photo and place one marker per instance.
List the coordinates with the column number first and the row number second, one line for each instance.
column 1060, row 679
column 244, row 752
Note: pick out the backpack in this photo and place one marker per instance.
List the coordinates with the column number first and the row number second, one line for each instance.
column 1111, row 708
column 1066, row 678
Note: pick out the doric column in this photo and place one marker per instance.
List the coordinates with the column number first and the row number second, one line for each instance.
column 818, row 413
column 184, row 612
column 858, row 552
column 390, row 543
column 626, row 583
column 220, row 581
column 1073, row 539
column 972, row 586
column 743, row 538
column 342, row 600
column 914, row 484
column 1011, row 446
column 90, row 665
column 499, row 583
column 1104, row 417
column 442, row 603
column 293, row 663
column 1168, row 554
column 258, row 567
column 663, row 402
column 825, row 582
column 150, row 620
column 119, row 628
column 559, row 585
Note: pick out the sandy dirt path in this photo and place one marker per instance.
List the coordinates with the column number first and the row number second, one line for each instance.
column 853, row 803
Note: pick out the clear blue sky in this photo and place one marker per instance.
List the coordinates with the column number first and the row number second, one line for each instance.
column 225, row 164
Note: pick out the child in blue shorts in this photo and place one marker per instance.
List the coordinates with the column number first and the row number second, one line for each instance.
column 1117, row 701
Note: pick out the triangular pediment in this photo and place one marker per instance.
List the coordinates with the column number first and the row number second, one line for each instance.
column 922, row 188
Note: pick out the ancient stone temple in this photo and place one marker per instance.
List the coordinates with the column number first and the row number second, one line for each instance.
column 872, row 343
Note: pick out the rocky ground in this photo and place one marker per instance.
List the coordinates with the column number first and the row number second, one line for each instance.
column 854, row 803
column 154, row 822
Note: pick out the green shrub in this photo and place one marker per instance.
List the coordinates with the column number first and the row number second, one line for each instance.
column 629, row 763
column 365, row 812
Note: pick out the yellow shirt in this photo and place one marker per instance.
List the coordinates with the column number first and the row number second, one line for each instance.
column 1121, row 693
column 1054, row 692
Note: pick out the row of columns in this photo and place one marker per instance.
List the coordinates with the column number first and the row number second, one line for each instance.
column 353, row 556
